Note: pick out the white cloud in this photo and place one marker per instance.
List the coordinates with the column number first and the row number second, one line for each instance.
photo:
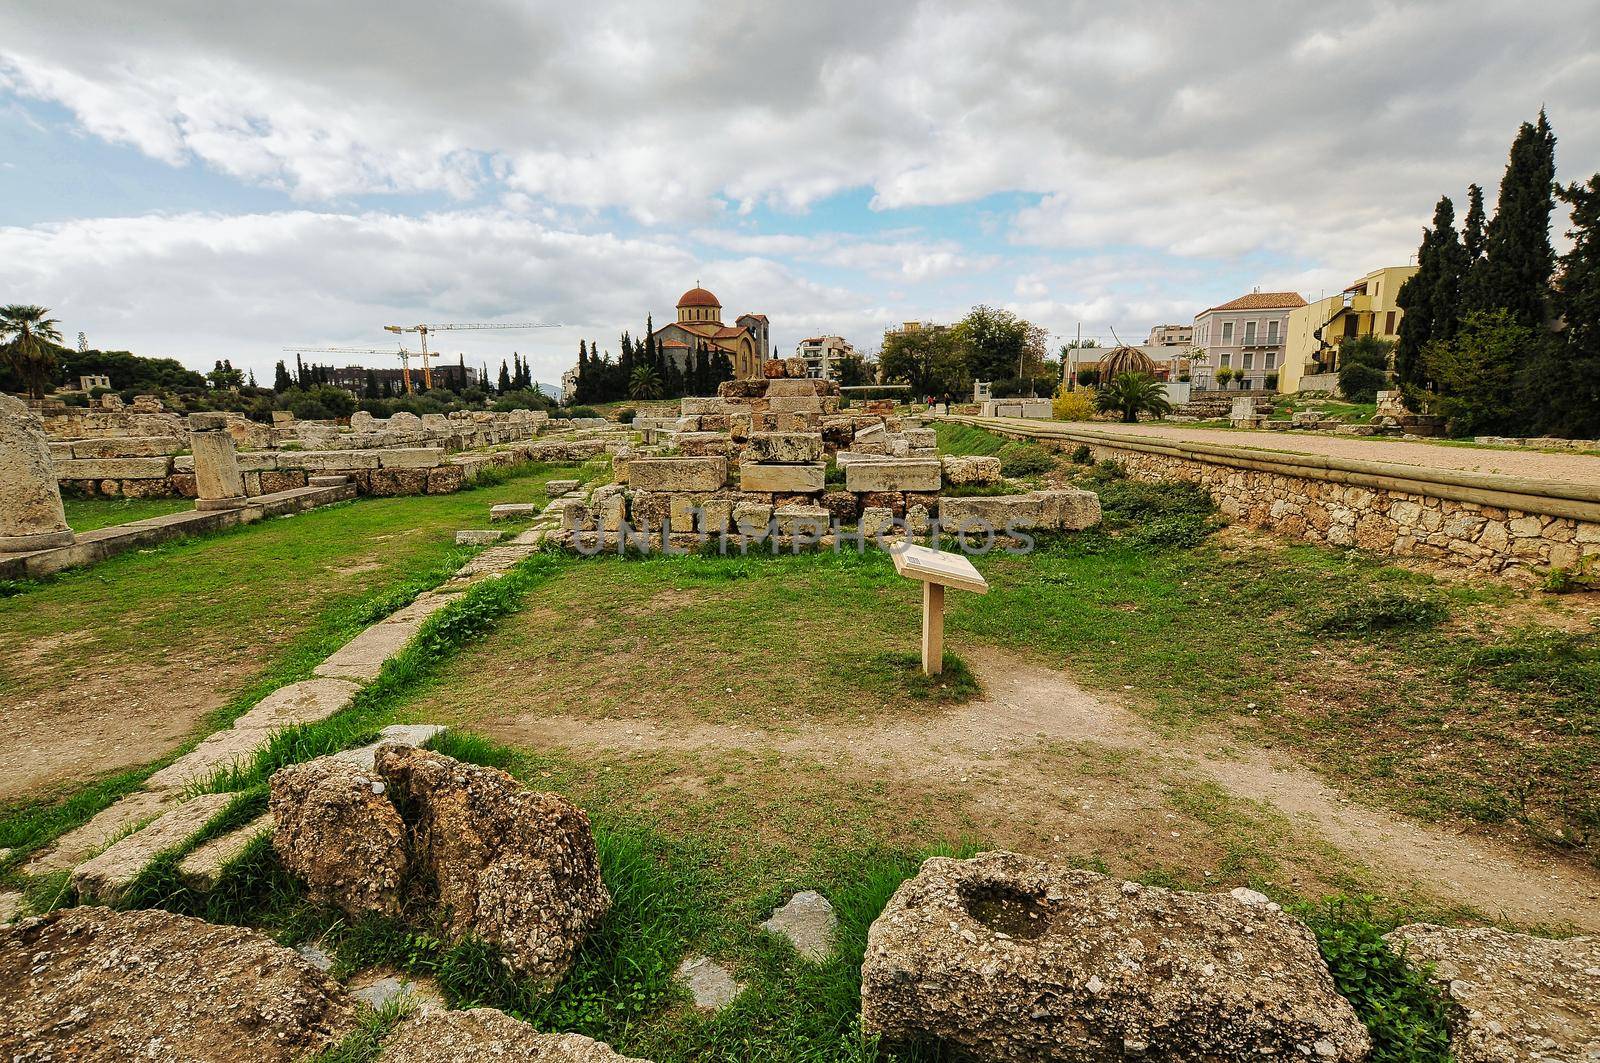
column 1265, row 144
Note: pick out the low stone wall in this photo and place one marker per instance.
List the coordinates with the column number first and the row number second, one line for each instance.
column 396, row 471
column 1480, row 521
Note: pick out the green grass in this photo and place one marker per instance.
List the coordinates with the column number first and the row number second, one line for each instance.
column 87, row 514
column 224, row 591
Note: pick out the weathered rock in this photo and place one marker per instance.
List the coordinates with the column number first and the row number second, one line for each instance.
column 842, row 504
column 986, row 513
column 1516, row 997
column 511, row 866
column 382, row 987
column 1005, row 957
column 808, row 922
column 962, row 470
column 478, row 537
column 710, row 984
column 218, row 482
column 479, row 1034
column 31, row 516
column 793, row 447
column 678, row 474
column 814, row 521
column 110, row 873
column 1068, row 508
column 909, row 474
column 336, row 829
column 93, row 984
column 203, row 868
column 781, row 479
column 876, row 521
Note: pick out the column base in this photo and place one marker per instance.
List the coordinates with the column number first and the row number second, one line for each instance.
column 236, row 502
column 16, row 544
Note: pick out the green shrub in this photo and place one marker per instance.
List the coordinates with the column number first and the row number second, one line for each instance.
column 582, row 411
column 1407, row 1015
column 1026, row 461
column 1382, row 611
column 1109, row 470
column 626, row 415
column 1082, row 455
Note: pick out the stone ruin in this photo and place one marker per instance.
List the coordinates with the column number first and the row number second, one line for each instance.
column 31, row 516
column 754, row 459
column 510, row 866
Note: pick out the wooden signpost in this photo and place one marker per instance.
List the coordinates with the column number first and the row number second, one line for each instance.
column 937, row 569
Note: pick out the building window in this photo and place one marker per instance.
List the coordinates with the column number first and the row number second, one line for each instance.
column 1249, row 359
column 1272, row 333
column 1222, row 359
column 1351, row 324
column 1249, row 333
column 1272, row 360
column 1388, row 324
column 1227, row 334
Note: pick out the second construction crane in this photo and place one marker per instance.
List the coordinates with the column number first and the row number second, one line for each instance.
column 423, row 330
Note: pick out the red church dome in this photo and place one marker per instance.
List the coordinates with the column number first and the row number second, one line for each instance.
column 698, row 297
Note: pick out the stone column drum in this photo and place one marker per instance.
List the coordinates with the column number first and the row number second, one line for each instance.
column 218, row 482
column 31, row 517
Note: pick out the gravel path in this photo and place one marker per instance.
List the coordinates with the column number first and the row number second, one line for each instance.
column 1530, row 464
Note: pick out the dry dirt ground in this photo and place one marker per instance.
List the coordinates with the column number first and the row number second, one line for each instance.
column 1531, row 464
column 1042, row 765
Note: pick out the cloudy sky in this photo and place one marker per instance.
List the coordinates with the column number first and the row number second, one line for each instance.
column 220, row 179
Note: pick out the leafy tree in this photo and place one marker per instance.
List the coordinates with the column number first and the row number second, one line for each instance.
column 644, row 383
column 281, row 381
column 224, row 376
column 1131, row 394
column 930, row 360
column 27, row 340
column 1364, row 367
column 1476, row 372
column 1561, row 384
column 999, row 345
column 854, row 370
column 1224, row 374
column 1517, row 257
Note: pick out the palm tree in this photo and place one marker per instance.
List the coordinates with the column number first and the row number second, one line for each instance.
column 25, row 336
column 645, row 383
column 1132, row 394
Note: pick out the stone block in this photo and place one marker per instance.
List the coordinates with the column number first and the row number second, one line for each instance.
column 785, row 447
column 694, row 407
column 795, row 404
column 872, row 433
column 842, row 504
column 446, row 479
column 514, row 511
column 877, row 520
column 961, row 470
column 739, row 425
column 113, row 468
column 921, row 437
column 751, row 517
column 990, row 513
column 341, row 460
column 916, row 474
column 893, row 501
column 478, row 537
column 390, row 482
column 702, row 444
column 1067, row 508
column 803, row 520
column 785, row 479
column 714, row 422
column 708, row 473
column 410, row 458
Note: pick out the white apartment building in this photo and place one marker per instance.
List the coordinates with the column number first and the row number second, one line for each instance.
column 822, row 355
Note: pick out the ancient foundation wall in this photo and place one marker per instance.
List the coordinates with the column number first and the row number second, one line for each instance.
column 396, row 471
column 1485, row 522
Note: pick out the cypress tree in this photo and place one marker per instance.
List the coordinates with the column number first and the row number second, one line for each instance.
column 370, row 391
column 299, row 372
column 1450, row 268
column 1415, row 299
column 1517, row 257
column 503, row 385
column 1561, row 386
column 280, row 377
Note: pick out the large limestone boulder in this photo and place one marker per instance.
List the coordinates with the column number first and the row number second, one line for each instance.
column 1516, row 997
column 509, row 865
column 962, row 470
column 486, row 1033
column 93, row 984
column 1005, row 957
column 336, row 829
column 31, row 515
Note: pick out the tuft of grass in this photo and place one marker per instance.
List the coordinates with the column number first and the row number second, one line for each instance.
column 1407, row 1015
column 901, row 673
column 1028, row 460
column 1383, row 610
column 363, row 1044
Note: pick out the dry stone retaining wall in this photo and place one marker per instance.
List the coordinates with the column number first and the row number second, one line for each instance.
column 1487, row 523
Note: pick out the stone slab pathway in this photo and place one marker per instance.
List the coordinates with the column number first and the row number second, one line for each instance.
column 202, row 869
column 106, row 876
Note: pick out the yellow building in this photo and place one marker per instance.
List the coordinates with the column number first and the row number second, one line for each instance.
column 1366, row 308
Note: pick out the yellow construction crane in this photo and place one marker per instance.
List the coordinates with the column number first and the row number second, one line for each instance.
column 423, row 330
column 404, row 355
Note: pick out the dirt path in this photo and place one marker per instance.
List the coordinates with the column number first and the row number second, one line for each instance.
column 1532, row 464
column 1028, row 707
